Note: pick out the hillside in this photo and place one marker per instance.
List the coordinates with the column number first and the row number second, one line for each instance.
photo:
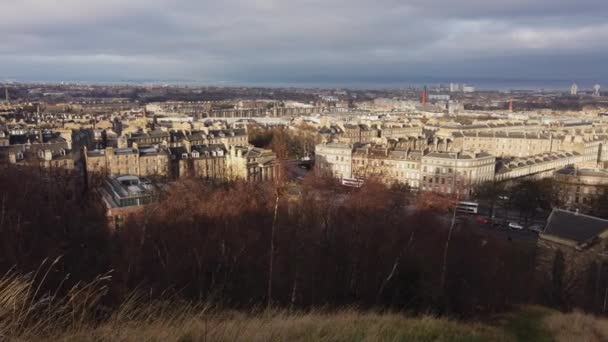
column 158, row 324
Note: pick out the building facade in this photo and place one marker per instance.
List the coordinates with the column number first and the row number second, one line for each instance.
column 334, row 159
column 456, row 172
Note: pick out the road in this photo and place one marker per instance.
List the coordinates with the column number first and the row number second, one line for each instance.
column 502, row 214
column 294, row 170
column 496, row 231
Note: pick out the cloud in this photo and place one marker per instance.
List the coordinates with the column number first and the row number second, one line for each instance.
column 302, row 40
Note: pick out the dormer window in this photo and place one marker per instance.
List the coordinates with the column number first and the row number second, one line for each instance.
column 195, row 154
column 184, row 155
column 19, row 155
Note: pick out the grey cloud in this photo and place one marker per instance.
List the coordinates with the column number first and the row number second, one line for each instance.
column 303, row 40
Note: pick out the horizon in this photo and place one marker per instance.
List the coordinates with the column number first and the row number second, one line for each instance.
column 250, row 42
column 502, row 85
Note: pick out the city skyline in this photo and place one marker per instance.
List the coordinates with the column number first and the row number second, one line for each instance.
column 305, row 42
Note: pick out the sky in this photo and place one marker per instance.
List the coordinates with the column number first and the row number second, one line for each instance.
column 297, row 42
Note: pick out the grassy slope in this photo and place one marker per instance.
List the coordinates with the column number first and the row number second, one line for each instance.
column 528, row 324
column 525, row 324
column 344, row 326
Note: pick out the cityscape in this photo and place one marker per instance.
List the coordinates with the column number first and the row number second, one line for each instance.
column 303, row 171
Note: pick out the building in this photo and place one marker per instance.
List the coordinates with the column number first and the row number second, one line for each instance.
column 456, row 172
column 579, row 189
column 574, row 89
column 144, row 162
column 52, row 156
column 156, row 137
column 445, row 172
column 200, row 161
column 126, row 197
column 358, row 134
column 507, row 144
column 539, row 166
column 251, row 164
column 468, row 89
column 399, row 165
column 334, row 159
column 396, row 131
column 572, row 258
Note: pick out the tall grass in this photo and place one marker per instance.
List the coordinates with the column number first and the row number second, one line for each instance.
column 577, row 326
column 26, row 313
column 271, row 325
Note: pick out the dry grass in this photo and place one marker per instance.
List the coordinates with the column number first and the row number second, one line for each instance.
column 26, row 312
column 28, row 315
column 284, row 326
column 577, row 326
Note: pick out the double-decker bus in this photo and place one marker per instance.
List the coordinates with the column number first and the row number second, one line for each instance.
column 355, row 183
column 467, row 207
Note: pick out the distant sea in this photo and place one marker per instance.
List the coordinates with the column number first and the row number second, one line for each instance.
column 479, row 83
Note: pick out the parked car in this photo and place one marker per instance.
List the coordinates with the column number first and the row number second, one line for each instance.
column 483, row 220
column 501, row 224
column 515, row 225
column 536, row 227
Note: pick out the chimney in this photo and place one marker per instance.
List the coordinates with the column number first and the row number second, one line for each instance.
column 187, row 145
column 423, row 97
column 48, row 155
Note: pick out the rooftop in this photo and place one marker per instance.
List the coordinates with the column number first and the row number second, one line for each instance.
column 571, row 171
column 573, row 228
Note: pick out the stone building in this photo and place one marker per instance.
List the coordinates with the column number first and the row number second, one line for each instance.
column 201, row 161
column 572, row 259
column 396, row 131
column 144, row 162
column 435, row 171
column 581, row 188
column 498, row 127
column 226, row 137
column 398, row 165
column 539, row 166
column 251, row 164
column 143, row 138
column 358, row 134
column 126, row 197
column 506, row 144
column 456, row 172
column 334, row 159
